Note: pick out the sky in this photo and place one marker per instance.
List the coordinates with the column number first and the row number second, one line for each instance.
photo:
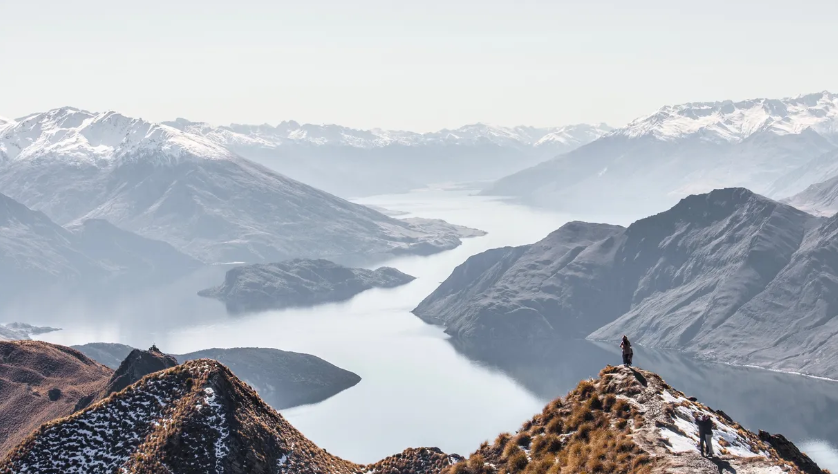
column 416, row 66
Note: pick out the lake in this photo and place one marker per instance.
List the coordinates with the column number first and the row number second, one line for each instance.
column 418, row 388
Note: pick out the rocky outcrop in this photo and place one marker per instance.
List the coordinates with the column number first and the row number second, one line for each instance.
column 788, row 451
column 198, row 417
column 727, row 275
column 283, row 379
column 298, row 282
column 137, row 365
column 626, row 421
column 40, row 382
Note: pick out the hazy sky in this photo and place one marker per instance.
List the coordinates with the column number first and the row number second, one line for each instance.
column 418, row 65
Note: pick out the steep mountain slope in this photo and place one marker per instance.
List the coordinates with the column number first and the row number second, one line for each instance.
column 729, row 275
column 283, row 379
column 198, row 417
column 183, row 189
column 40, row 382
column 351, row 162
column 517, row 292
column 770, row 146
column 36, row 253
column 131, row 258
column 819, row 199
column 298, row 282
column 137, row 365
column 631, row 421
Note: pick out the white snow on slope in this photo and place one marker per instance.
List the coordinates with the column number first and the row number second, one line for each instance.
column 687, row 439
column 729, row 121
column 75, row 135
column 290, row 132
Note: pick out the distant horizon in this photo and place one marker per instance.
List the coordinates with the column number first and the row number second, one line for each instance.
column 485, row 123
column 402, row 66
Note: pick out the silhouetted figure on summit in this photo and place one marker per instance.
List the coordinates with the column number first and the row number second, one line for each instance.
column 628, row 352
column 154, row 348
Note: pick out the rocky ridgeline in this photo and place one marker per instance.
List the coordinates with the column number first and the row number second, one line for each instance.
column 198, row 417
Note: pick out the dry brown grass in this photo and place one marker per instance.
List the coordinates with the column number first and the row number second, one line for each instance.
column 583, row 432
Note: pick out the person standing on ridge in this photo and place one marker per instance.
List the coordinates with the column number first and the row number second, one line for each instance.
column 628, row 352
column 705, row 434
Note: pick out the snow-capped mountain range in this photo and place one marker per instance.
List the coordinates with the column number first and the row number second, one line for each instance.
column 293, row 133
column 351, row 163
column 169, row 185
column 70, row 134
column 729, row 121
column 777, row 147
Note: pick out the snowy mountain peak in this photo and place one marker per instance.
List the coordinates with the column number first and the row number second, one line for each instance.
column 291, row 132
column 72, row 134
column 729, row 121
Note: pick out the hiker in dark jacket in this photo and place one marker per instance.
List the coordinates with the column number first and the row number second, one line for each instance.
column 705, row 434
column 628, row 352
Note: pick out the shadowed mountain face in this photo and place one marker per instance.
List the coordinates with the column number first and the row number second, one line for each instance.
column 298, row 283
column 728, row 275
column 40, row 382
column 283, row 379
column 37, row 254
column 137, row 365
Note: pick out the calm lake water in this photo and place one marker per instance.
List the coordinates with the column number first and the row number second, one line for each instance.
column 418, row 388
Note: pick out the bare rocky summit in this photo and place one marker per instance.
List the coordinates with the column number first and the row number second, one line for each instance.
column 630, row 421
column 137, row 365
column 298, row 282
column 198, row 417
column 283, row 379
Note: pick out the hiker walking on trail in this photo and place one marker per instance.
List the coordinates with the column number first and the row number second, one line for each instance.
column 628, row 352
column 705, row 434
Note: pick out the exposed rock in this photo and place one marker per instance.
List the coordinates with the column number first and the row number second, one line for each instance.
column 298, row 283
column 788, row 451
column 198, row 417
column 32, row 373
column 283, row 379
column 137, row 365
column 728, row 275
column 628, row 421
column 518, row 292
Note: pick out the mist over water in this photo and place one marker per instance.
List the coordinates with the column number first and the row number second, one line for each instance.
column 418, row 388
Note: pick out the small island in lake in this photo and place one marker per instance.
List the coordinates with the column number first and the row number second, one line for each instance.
column 298, row 282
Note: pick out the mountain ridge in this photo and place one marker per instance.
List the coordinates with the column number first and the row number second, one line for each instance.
column 201, row 198
column 729, row 275
column 198, row 417
column 772, row 146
